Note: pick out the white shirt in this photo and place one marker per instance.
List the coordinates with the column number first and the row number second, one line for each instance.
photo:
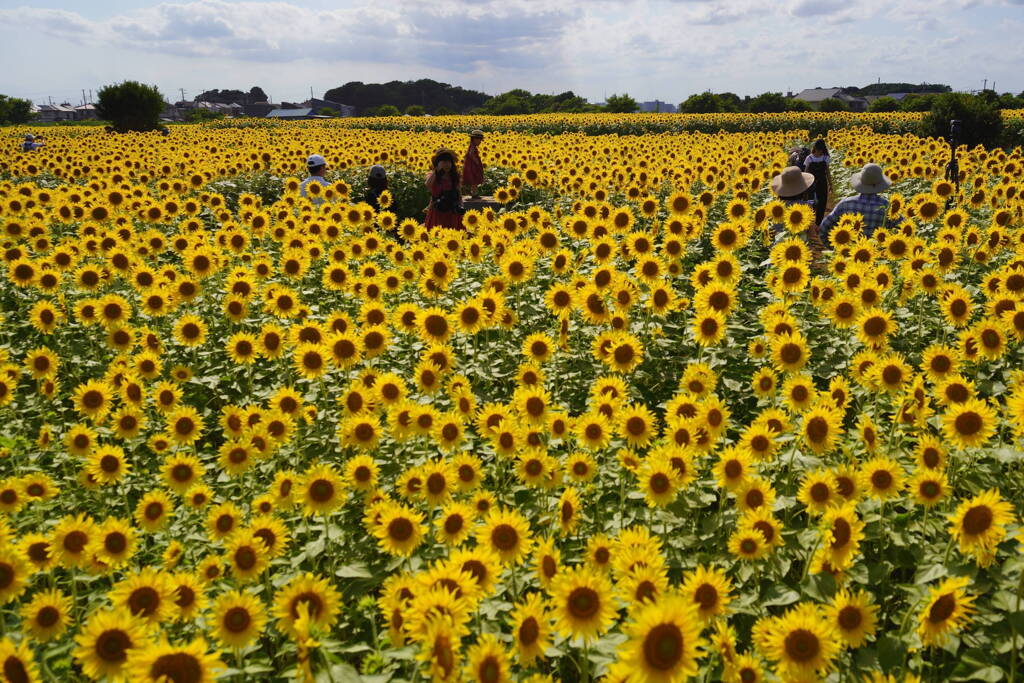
column 811, row 158
column 307, row 181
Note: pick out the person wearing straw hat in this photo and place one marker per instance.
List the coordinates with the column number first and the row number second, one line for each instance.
column 869, row 182
column 31, row 143
column 791, row 187
column 445, row 208
column 472, row 166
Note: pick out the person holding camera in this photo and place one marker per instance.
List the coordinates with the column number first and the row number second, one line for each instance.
column 445, row 210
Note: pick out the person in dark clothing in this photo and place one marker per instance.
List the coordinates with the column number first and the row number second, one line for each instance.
column 376, row 183
column 816, row 164
column 445, row 210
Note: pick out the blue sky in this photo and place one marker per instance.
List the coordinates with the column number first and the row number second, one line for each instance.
column 664, row 49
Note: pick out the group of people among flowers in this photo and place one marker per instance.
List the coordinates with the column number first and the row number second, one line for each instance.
column 808, row 181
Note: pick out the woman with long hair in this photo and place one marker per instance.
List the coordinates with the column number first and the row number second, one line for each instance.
column 445, row 191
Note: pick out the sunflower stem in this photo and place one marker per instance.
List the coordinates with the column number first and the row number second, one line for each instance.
column 1013, row 627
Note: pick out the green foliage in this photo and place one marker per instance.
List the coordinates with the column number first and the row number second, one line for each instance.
column 415, row 110
column 429, row 94
column 889, row 88
column 15, row 110
column 387, row 110
column 798, row 105
column 515, row 102
column 326, row 111
column 884, row 104
column 621, row 104
column 833, row 104
column 768, row 103
column 199, row 115
column 703, row 103
column 130, row 106
column 982, row 124
column 916, row 103
column 255, row 94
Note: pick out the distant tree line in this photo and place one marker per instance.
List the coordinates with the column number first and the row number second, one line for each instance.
column 255, row 94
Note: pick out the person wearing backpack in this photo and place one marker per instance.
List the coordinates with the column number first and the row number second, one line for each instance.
column 816, row 164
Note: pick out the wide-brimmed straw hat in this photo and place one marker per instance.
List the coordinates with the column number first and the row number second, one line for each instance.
column 870, row 180
column 791, row 182
column 442, row 151
column 476, row 134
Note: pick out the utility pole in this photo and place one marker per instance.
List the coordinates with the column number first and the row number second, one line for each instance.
column 182, row 94
column 83, row 98
column 311, row 98
column 984, row 84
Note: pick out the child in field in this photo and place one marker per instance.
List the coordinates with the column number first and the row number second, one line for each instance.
column 445, row 208
column 472, row 166
column 317, row 166
column 791, row 187
column 816, row 164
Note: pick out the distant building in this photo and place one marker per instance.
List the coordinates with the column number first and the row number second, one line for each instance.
column 317, row 104
column 815, row 96
column 658, row 106
column 295, row 114
column 85, row 112
column 50, row 113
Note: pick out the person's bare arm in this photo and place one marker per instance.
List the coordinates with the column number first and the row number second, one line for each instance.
column 430, row 181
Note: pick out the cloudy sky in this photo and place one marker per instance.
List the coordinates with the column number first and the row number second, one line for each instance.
column 665, row 49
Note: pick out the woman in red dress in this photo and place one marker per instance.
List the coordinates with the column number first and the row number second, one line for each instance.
column 445, row 209
column 472, row 166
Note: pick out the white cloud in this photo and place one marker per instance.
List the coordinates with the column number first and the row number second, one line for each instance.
column 650, row 48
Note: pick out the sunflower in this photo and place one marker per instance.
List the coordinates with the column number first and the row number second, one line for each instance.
column 239, row 618
column 15, row 570
column 321, row 599
column 582, row 603
column 748, row 544
column 658, row 481
column 593, row 431
column 106, row 640
column 247, row 555
column 664, row 641
column 507, row 533
column 708, row 327
column 853, row 616
column 159, row 662
column 969, row 424
column 842, row 532
column 399, row 529
column 874, row 326
column 322, row 490
column 979, row 525
column 47, row 615
column 71, row 539
column 184, row 425
column 818, row 491
column 487, row 661
column 114, row 542
column 17, row 661
column 637, row 425
column 803, row 642
column 107, row 464
column 822, row 425
column 93, row 399
column 146, row 594
column 531, row 629
column 708, row 589
column 930, row 487
column 190, row 330
column 949, row 609
column 732, row 468
column 440, row 648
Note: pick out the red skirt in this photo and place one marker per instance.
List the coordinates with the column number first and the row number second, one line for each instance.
column 443, row 219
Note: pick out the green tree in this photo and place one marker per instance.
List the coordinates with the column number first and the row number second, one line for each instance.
column 14, row 110
column 326, row 111
column 130, row 106
column 415, row 110
column 703, row 103
column 793, row 104
column 385, row 110
column 981, row 122
column 768, row 103
column 621, row 104
column 884, row 104
column 1009, row 101
column 916, row 103
column 833, row 104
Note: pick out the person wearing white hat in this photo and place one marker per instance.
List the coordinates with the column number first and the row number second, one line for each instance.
column 869, row 182
column 317, row 166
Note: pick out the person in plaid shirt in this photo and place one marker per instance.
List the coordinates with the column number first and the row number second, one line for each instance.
column 869, row 203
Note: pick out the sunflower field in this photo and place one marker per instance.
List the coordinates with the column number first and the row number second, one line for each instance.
column 629, row 425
